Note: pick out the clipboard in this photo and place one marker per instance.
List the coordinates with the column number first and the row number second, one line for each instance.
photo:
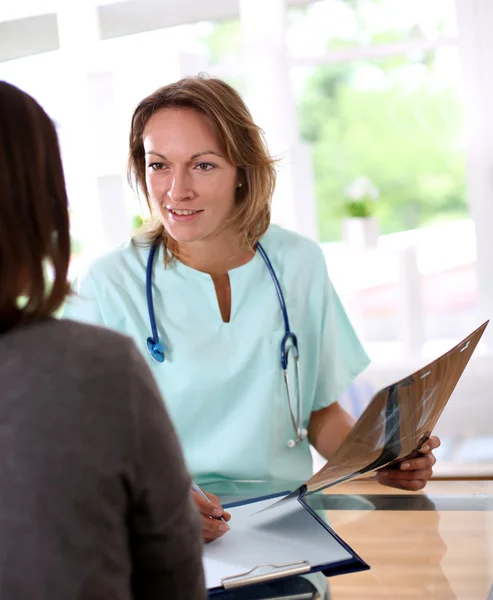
column 265, row 546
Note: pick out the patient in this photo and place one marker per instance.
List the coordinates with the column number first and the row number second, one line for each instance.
column 94, row 496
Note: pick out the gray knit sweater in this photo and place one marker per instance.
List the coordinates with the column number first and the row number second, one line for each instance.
column 94, row 496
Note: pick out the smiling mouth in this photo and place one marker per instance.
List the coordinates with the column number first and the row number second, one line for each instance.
column 183, row 213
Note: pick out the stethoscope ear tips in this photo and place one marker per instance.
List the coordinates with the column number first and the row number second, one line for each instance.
column 302, row 434
column 156, row 350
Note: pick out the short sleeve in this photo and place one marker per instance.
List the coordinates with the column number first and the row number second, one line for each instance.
column 82, row 304
column 342, row 356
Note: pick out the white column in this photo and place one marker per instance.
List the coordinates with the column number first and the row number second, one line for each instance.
column 270, row 98
column 93, row 144
column 475, row 20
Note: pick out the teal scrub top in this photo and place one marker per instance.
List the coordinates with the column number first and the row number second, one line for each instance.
column 223, row 382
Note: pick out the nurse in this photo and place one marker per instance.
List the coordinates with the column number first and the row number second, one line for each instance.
column 215, row 297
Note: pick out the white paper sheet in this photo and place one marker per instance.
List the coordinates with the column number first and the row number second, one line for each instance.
column 285, row 534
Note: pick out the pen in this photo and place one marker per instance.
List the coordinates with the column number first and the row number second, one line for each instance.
column 196, row 488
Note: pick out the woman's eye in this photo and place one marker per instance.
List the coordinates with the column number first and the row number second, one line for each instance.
column 204, row 166
column 157, row 166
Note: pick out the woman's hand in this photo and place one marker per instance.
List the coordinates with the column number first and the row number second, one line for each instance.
column 412, row 474
column 211, row 512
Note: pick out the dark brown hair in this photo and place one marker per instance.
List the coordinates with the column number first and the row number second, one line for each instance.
column 34, row 221
column 241, row 139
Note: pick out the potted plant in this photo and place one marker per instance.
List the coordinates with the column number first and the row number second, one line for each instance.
column 137, row 222
column 360, row 227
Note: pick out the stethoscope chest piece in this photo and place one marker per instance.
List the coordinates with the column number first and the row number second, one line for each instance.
column 156, row 350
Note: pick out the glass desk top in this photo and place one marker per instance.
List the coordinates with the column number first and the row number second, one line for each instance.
column 437, row 543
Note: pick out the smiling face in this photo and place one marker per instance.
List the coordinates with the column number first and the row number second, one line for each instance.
column 190, row 182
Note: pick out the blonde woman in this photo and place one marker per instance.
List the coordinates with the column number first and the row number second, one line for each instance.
column 218, row 299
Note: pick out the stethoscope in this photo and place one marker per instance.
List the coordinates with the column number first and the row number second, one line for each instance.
column 289, row 343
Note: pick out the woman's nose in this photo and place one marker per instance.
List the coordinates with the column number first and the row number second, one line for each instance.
column 180, row 188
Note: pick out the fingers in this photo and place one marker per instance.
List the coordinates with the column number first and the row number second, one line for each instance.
column 211, row 513
column 212, row 528
column 409, row 478
column 412, row 474
column 415, row 464
column 215, row 500
column 431, row 444
column 399, row 476
column 210, row 509
column 413, row 485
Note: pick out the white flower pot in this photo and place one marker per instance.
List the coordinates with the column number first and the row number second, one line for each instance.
column 360, row 233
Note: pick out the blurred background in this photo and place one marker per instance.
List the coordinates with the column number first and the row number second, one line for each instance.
column 382, row 114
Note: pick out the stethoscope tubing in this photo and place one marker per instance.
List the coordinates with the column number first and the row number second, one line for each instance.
column 156, row 348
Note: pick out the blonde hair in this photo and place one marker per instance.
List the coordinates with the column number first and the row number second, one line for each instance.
column 242, row 141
